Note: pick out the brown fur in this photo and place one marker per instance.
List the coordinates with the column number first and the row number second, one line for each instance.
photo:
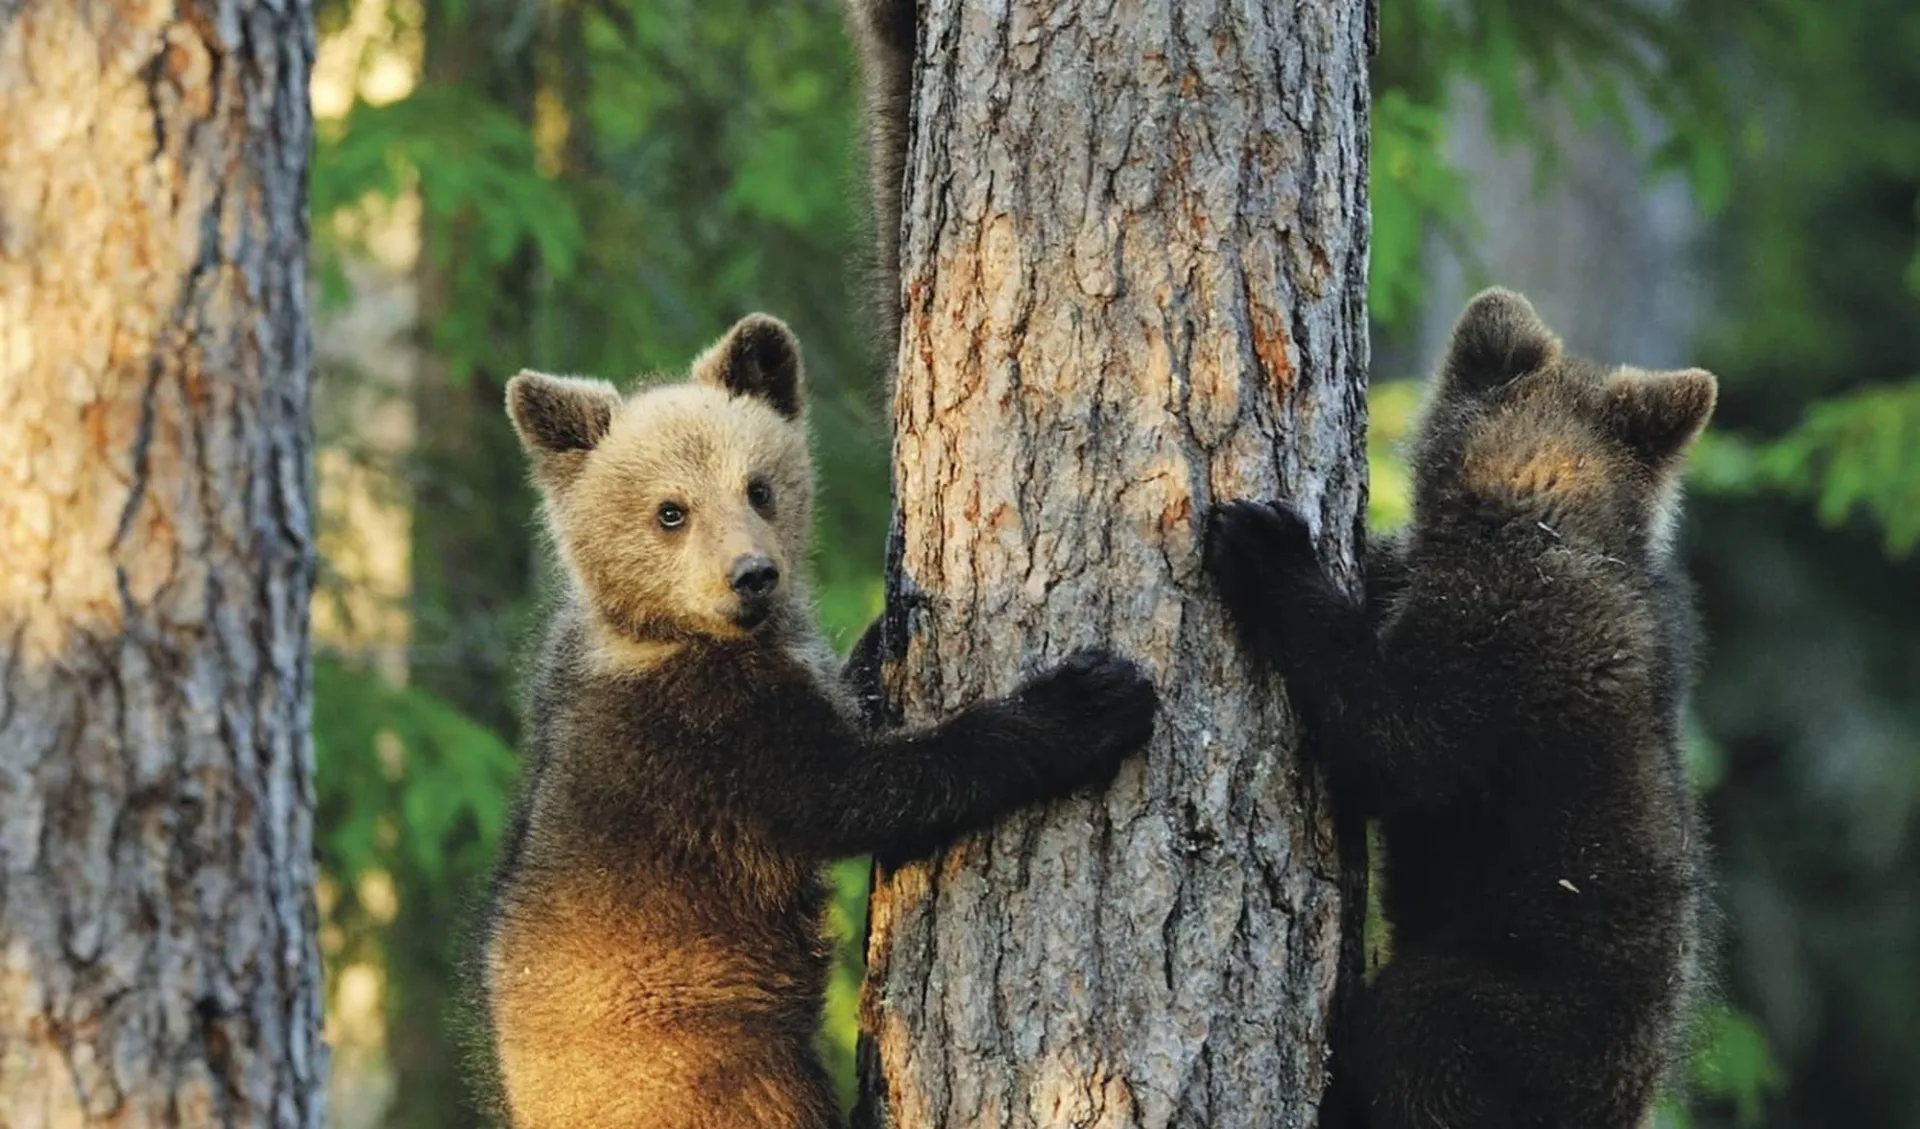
column 696, row 446
column 885, row 33
column 1506, row 700
column 653, row 956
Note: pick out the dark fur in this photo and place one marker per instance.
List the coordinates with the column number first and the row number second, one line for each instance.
column 1506, row 700
column 653, row 955
column 573, row 423
column 698, row 800
column 885, row 34
column 760, row 360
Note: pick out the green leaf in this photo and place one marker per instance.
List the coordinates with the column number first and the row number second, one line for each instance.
column 1732, row 1061
column 388, row 756
column 1411, row 186
column 1852, row 454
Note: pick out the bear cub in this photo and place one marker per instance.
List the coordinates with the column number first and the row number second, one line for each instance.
column 653, row 956
column 885, row 35
column 1506, row 701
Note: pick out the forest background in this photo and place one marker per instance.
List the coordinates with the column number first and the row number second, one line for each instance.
column 601, row 186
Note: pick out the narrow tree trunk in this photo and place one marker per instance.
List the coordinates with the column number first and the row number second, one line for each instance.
column 1134, row 284
column 472, row 553
column 157, row 956
column 473, row 557
column 1609, row 258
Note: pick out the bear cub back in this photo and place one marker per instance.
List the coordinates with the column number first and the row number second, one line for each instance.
column 1505, row 698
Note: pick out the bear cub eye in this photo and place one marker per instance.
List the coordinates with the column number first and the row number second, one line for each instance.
column 671, row 515
column 759, row 494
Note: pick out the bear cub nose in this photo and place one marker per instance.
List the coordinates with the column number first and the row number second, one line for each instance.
column 755, row 577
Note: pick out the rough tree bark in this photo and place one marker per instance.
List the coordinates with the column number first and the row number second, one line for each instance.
column 157, row 955
column 1134, row 283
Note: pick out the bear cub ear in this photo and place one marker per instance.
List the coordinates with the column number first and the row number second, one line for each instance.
column 759, row 357
column 559, row 419
column 1659, row 414
column 1498, row 339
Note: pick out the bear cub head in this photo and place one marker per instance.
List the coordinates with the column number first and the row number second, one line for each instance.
column 1517, row 431
column 681, row 512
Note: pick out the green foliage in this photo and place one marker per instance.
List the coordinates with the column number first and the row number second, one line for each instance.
column 1602, row 61
column 847, row 927
column 1913, row 264
column 1732, row 1062
column 404, row 782
column 717, row 180
column 1731, row 1066
column 1599, row 57
column 1392, row 407
column 1850, row 454
column 472, row 163
column 1412, row 187
column 1818, row 249
column 1815, row 333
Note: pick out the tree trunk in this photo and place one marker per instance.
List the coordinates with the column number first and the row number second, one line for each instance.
column 1609, row 259
column 157, row 955
column 472, row 550
column 472, row 553
column 1134, row 263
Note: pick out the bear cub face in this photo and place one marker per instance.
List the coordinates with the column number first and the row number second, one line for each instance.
column 1516, row 430
column 683, row 511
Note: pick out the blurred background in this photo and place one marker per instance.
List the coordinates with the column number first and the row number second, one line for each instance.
column 601, row 186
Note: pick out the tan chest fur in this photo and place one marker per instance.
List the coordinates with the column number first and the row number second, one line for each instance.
column 629, row 1011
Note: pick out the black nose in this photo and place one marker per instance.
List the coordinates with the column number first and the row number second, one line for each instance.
column 755, row 576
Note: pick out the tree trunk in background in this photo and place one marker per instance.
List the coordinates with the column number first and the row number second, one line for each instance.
column 1607, row 256
column 472, row 554
column 156, row 837
column 472, row 559
column 1134, row 284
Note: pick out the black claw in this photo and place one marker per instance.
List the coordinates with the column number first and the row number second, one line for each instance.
column 1260, row 556
column 1102, row 705
column 1247, row 540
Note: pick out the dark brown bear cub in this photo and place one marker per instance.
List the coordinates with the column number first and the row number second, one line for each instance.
column 1506, row 701
column 653, row 957
column 885, row 33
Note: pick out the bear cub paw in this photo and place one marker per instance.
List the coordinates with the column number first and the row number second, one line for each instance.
column 1100, row 704
column 1257, row 552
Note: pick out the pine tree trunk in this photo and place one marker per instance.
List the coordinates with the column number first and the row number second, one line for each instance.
column 1134, row 283
column 1610, row 260
column 157, row 956
column 472, row 553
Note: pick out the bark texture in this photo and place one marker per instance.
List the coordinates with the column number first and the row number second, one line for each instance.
column 1134, row 269
column 157, row 956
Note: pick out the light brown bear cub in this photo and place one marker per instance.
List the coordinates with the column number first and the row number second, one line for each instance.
column 653, row 955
